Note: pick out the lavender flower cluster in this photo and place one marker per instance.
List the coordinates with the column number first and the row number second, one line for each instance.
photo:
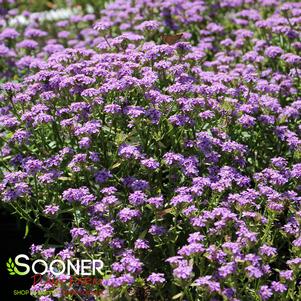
column 175, row 161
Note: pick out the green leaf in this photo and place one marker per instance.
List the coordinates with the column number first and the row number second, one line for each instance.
column 26, row 230
column 116, row 165
column 245, row 134
column 177, row 296
column 64, row 178
column 142, row 235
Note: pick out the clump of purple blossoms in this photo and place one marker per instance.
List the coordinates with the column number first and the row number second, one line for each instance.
column 162, row 137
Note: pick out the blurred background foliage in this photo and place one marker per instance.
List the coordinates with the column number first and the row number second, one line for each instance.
column 43, row 5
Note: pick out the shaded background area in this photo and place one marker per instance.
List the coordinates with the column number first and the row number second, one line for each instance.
column 13, row 243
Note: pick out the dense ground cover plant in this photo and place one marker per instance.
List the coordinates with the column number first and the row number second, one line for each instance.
column 176, row 164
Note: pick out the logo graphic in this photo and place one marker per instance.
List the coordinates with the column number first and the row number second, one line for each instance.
column 84, row 267
column 12, row 266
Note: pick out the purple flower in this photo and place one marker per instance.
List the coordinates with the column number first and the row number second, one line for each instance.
column 150, row 163
column 137, row 198
column 156, row 278
column 273, row 51
column 254, row 272
column 208, row 283
column 227, row 269
column 195, row 237
column 287, row 274
column 246, row 120
column 148, row 25
column 45, row 298
column 33, row 166
column 9, row 33
column 183, row 272
column 109, row 190
column 141, row 244
column 102, row 176
column 131, row 263
column 191, row 249
column 35, row 249
column 267, row 250
column 157, row 230
column 102, row 26
column 157, row 202
column 66, row 254
column 278, row 287
column 81, row 195
column 89, row 128
column 51, row 209
column 139, row 185
column 180, row 199
column 27, row 44
column 265, row 292
column 129, row 152
column 85, row 142
column 48, row 253
column 127, row 214
column 77, row 232
column 116, row 282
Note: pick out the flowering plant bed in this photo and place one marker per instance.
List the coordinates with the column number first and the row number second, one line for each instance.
column 161, row 138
